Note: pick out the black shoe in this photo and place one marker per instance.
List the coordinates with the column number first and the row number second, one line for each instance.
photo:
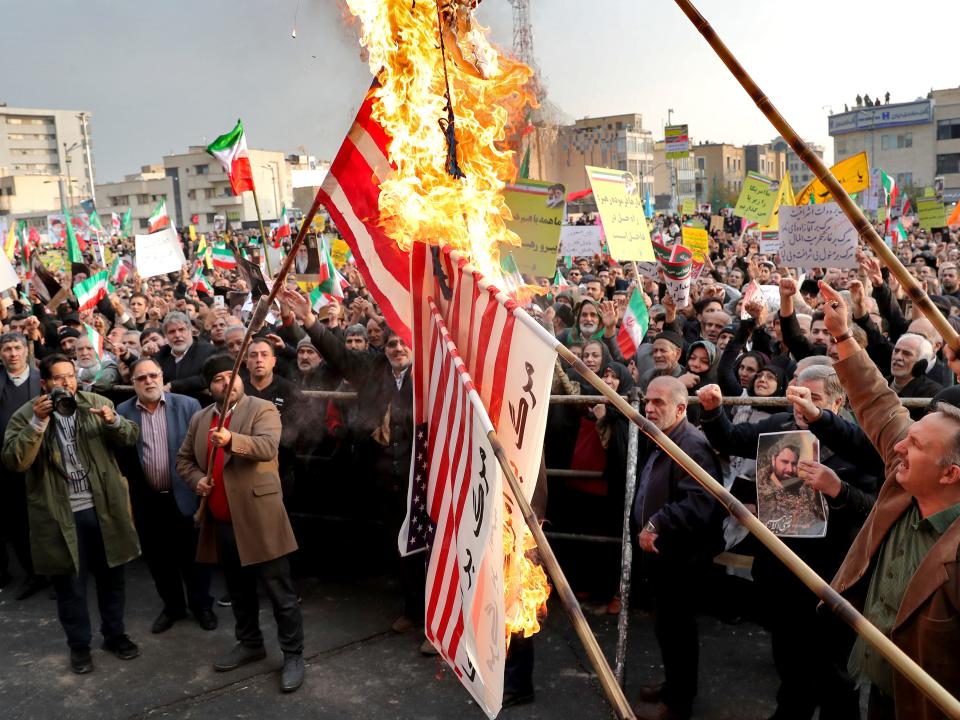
column 291, row 677
column 206, row 619
column 651, row 693
column 165, row 621
column 224, row 600
column 5, row 579
column 80, row 661
column 239, row 655
column 30, row 586
column 517, row 698
column 121, row 646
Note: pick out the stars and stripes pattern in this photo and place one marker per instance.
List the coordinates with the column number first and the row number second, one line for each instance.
column 351, row 193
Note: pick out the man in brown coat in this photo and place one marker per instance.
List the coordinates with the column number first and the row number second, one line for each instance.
column 902, row 571
column 244, row 526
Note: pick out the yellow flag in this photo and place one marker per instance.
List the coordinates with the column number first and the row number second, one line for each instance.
column 10, row 246
column 784, row 197
column 853, row 174
column 193, row 233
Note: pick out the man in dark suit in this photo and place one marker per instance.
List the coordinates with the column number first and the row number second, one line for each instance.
column 181, row 359
column 244, row 526
column 680, row 533
column 163, row 504
column 908, row 376
column 19, row 383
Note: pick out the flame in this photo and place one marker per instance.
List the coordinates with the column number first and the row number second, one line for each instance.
column 524, row 581
column 489, row 92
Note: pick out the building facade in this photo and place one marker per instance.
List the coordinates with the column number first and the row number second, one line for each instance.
column 765, row 160
column 800, row 175
column 673, row 180
column 51, row 145
column 140, row 192
column 721, row 169
column 897, row 137
column 946, row 117
column 618, row 142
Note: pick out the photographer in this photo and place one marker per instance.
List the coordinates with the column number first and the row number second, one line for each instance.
column 78, row 506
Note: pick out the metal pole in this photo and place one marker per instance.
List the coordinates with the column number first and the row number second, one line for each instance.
column 608, row 682
column 626, row 556
column 66, row 162
column 86, row 151
column 263, row 235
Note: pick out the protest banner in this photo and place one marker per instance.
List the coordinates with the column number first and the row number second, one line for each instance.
column 689, row 207
column 158, row 253
column 537, row 209
column 757, row 198
column 813, row 236
column 8, row 276
column 579, row 240
column 932, row 213
column 621, row 208
column 853, row 174
column 870, row 198
column 697, row 240
column 784, row 197
column 676, row 141
column 706, row 208
column 716, row 223
column 338, row 252
column 769, row 243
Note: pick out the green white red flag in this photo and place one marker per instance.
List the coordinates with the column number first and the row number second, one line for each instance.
column 636, row 320
column 283, row 227
column 96, row 340
column 559, row 280
column 331, row 282
column 231, row 150
column 118, row 271
column 899, row 233
column 159, row 218
column 91, row 291
column 890, row 188
column 200, row 282
column 74, row 254
column 223, row 258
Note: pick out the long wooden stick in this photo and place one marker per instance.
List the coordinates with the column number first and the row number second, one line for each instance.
column 256, row 322
column 608, row 681
column 263, row 235
column 831, row 598
column 866, row 230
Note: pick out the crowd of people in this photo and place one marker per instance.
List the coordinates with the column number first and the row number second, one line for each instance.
column 111, row 452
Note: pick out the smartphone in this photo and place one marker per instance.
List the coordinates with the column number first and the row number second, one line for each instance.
column 218, row 301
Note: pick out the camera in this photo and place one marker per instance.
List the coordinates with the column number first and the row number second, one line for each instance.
column 64, row 403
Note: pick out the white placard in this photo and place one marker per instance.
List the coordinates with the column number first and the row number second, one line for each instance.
column 769, row 245
column 813, row 236
column 8, row 276
column 159, row 253
column 580, row 240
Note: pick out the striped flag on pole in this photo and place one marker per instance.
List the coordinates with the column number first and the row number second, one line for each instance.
column 465, row 596
column 351, row 193
column 91, row 291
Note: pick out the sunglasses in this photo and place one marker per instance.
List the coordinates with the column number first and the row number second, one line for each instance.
column 395, row 343
column 147, row 376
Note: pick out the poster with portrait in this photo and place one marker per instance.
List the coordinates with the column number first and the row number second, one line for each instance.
column 786, row 505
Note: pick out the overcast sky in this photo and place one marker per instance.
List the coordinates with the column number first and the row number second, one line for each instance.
column 161, row 76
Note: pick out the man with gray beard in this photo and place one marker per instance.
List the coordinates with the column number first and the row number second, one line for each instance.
column 181, row 359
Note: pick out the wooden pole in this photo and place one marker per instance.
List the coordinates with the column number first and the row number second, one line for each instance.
column 608, row 682
column 256, row 322
column 900, row 661
column 865, row 229
column 626, row 550
column 263, row 235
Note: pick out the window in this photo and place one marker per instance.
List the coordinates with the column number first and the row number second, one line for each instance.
column 896, row 142
column 701, row 163
column 226, row 191
column 191, row 194
column 210, row 217
column 948, row 129
column 949, row 163
column 143, row 198
column 143, row 223
column 209, row 193
column 202, row 169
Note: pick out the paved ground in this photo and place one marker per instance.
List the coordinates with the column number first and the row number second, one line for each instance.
column 357, row 668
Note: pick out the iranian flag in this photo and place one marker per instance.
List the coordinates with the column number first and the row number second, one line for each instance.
column 223, row 258
column 114, row 225
column 159, row 218
column 559, row 280
column 890, row 188
column 899, row 233
column 283, row 227
column 74, row 254
column 118, row 271
column 91, row 291
column 96, row 340
column 231, row 151
column 634, row 326
column 126, row 223
column 200, row 282
column 331, row 282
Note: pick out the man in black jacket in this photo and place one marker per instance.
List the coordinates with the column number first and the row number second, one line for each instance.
column 181, row 359
column 384, row 434
column 809, row 651
column 19, row 383
column 680, row 533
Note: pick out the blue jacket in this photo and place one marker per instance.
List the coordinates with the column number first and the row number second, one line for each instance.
column 180, row 408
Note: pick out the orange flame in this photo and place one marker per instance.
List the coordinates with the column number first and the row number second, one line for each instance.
column 489, row 91
column 524, row 581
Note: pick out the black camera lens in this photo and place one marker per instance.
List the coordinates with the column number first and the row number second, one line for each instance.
column 63, row 402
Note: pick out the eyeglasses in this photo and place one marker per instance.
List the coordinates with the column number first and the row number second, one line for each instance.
column 147, row 376
column 63, row 378
column 395, row 343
